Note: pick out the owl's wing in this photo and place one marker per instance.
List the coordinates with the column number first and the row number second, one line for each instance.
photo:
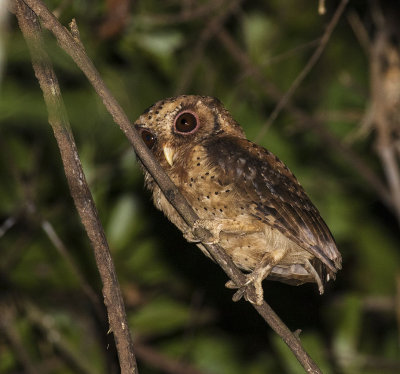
column 273, row 195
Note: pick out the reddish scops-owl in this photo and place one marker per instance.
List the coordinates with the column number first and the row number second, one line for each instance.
column 251, row 202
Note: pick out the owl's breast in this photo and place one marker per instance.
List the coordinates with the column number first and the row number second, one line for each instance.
column 205, row 186
column 214, row 196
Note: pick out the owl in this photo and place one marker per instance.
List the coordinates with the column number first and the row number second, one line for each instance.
column 243, row 194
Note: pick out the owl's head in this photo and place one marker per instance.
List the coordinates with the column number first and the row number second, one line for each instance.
column 172, row 125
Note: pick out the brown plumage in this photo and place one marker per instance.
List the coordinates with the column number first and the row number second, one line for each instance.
column 251, row 202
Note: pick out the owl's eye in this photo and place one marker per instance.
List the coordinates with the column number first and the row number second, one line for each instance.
column 186, row 123
column 148, row 138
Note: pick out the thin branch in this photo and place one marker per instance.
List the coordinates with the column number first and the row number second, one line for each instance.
column 93, row 297
column 7, row 225
column 321, row 7
column 210, row 29
column 63, row 251
column 7, row 326
column 351, row 157
column 75, row 49
column 290, row 53
column 185, row 15
column 80, row 192
column 46, row 324
column 376, row 364
column 310, row 64
column 359, row 31
column 385, row 99
column 166, row 364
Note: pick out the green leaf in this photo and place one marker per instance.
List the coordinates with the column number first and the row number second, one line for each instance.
column 160, row 316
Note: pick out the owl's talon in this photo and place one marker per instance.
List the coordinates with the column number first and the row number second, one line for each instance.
column 191, row 237
column 231, row 285
column 239, row 294
column 241, row 290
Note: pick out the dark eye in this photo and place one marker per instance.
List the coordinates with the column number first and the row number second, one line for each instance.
column 148, row 138
column 186, row 123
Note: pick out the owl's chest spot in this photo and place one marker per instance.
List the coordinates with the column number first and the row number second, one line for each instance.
column 203, row 187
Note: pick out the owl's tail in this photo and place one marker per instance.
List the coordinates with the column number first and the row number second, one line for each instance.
column 296, row 274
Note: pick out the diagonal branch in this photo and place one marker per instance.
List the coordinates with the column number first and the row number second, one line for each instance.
column 210, row 29
column 309, row 122
column 310, row 64
column 13, row 337
column 72, row 45
column 29, row 24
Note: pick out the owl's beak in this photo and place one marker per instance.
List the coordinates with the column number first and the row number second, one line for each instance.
column 169, row 154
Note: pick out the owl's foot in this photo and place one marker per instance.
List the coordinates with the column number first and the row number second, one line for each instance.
column 254, row 297
column 204, row 230
column 260, row 272
column 190, row 236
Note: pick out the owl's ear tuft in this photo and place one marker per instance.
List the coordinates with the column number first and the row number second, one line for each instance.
column 186, row 122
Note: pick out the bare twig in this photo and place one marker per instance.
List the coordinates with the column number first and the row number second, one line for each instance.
column 7, row 224
column 321, row 7
column 7, row 326
column 377, row 364
column 210, row 29
column 310, row 64
column 385, row 94
column 290, row 53
column 186, row 14
column 77, row 52
column 351, row 157
column 159, row 361
column 80, row 192
column 63, row 251
column 359, row 31
column 46, row 324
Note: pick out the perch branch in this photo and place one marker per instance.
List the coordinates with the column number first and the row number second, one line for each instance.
column 74, row 48
column 29, row 24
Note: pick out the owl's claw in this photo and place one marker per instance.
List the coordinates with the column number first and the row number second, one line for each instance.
column 190, row 237
column 261, row 271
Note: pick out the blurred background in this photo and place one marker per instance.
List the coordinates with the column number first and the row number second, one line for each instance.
column 339, row 132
